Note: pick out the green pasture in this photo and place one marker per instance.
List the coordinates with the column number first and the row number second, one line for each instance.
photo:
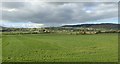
column 60, row 48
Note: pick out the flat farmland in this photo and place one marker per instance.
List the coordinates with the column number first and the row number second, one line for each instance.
column 60, row 48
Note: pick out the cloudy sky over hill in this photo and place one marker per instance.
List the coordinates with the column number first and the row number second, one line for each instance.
column 57, row 13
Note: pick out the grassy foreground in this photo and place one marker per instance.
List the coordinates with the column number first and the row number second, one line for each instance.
column 60, row 48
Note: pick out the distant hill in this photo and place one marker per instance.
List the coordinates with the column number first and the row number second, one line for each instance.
column 102, row 25
column 96, row 26
column 2, row 27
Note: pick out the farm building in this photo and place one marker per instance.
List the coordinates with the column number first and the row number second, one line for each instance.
column 88, row 32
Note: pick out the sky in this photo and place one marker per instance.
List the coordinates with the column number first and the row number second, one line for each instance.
column 44, row 14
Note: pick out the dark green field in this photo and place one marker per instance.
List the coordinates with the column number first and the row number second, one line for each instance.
column 60, row 48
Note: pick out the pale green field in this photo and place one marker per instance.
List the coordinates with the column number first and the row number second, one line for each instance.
column 0, row 47
column 60, row 48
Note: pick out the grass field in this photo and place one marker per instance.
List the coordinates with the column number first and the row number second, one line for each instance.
column 60, row 48
column 0, row 47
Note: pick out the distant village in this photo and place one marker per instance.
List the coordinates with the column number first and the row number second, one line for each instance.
column 57, row 30
column 67, row 29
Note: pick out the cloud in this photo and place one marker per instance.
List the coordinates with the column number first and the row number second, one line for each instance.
column 57, row 13
column 22, row 25
column 13, row 4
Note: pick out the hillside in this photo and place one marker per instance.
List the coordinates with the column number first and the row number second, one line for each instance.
column 102, row 25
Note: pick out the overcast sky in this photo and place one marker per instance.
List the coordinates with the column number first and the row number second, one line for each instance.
column 37, row 14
